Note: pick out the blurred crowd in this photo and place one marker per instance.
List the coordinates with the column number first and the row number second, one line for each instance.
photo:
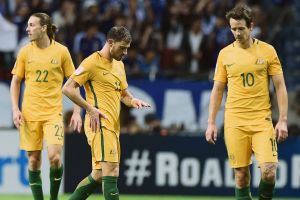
column 172, row 39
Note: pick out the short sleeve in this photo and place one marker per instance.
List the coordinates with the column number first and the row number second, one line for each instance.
column 274, row 65
column 220, row 71
column 67, row 63
column 124, row 83
column 83, row 73
column 19, row 67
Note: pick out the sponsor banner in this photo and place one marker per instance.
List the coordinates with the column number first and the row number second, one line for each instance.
column 14, row 166
column 180, row 166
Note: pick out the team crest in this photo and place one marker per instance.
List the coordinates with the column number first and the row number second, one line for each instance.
column 260, row 61
column 54, row 61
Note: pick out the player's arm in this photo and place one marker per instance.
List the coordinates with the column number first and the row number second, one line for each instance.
column 282, row 101
column 15, row 87
column 76, row 121
column 70, row 89
column 214, row 105
column 130, row 101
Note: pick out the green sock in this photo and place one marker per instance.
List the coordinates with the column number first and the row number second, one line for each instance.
column 243, row 193
column 85, row 188
column 265, row 190
column 35, row 183
column 55, row 180
column 110, row 189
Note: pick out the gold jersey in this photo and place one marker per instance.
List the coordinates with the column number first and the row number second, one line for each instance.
column 246, row 72
column 44, row 71
column 103, row 81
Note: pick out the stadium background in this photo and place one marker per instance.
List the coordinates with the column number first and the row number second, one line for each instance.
column 163, row 151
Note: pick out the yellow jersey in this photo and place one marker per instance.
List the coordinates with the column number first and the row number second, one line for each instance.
column 103, row 81
column 44, row 71
column 246, row 72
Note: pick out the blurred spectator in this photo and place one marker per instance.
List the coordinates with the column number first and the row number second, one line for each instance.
column 294, row 112
column 133, row 62
column 88, row 41
column 64, row 19
column 150, row 63
column 153, row 125
column 221, row 35
column 8, row 42
column 195, row 44
column 66, row 15
column 206, row 8
column 20, row 18
column 259, row 19
column 109, row 11
column 90, row 11
column 131, row 126
column 175, row 39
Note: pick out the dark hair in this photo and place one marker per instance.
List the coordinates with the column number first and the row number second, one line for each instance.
column 119, row 33
column 240, row 12
column 46, row 20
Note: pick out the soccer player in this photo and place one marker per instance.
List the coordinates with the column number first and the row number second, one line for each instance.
column 43, row 63
column 244, row 67
column 103, row 77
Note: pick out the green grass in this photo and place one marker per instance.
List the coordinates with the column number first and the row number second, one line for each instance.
column 133, row 197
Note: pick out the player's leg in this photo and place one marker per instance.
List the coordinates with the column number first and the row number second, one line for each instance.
column 87, row 186
column 110, row 180
column 267, row 182
column 242, row 182
column 34, row 172
column 31, row 140
column 265, row 149
column 238, row 144
column 56, row 169
column 54, row 135
column 110, row 158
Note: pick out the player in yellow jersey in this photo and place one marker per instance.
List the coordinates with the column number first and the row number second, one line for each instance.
column 245, row 67
column 43, row 64
column 103, row 76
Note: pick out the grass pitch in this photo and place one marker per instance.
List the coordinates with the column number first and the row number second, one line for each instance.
column 133, row 197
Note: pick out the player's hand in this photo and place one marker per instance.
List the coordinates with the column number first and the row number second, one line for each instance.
column 281, row 131
column 95, row 115
column 137, row 103
column 17, row 118
column 76, row 122
column 211, row 133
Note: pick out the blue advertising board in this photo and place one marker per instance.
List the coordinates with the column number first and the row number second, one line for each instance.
column 181, row 165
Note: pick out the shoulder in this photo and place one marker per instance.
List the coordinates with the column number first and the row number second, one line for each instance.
column 264, row 45
column 120, row 67
column 94, row 56
column 266, row 49
column 227, row 48
column 90, row 61
column 119, row 63
column 26, row 48
column 60, row 46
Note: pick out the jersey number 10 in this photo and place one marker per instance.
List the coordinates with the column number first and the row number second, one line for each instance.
column 248, row 79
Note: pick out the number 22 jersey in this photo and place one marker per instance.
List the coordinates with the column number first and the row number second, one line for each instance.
column 44, row 71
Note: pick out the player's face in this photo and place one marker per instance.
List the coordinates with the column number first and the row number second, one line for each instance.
column 119, row 49
column 34, row 29
column 240, row 30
